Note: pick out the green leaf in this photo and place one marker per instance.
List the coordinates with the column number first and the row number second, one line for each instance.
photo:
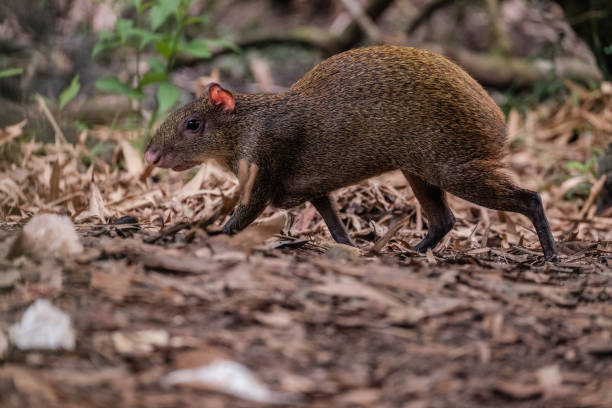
column 195, row 20
column 103, row 46
column 167, row 95
column 114, row 85
column 69, row 93
column 152, row 77
column 197, row 48
column 144, row 7
column 164, row 47
column 10, row 72
column 156, row 65
column 124, row 29
column 161, row 10
column 105, row 34
column 575, row 165
column 216, row 42
column 106, row 39
column 144, row 37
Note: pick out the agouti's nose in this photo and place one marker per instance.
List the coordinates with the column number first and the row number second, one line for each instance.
column 153, row 155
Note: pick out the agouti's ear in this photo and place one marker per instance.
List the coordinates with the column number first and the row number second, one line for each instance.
column 221, row 97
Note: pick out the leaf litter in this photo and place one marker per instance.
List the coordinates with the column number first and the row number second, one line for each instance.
column 281, row 315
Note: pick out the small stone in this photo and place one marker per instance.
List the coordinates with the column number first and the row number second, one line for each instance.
column 343, row 252
column 43, row 326
column 231, row 378
column 47, row 235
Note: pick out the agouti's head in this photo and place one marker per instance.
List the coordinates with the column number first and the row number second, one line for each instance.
column 192, row 134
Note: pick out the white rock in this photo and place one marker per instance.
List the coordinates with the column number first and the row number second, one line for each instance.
column 229, row 377
column 47, row 235
column 43, row 326
column 550, row 376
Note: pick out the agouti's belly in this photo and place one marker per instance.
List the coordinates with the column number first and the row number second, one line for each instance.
column 312, row 176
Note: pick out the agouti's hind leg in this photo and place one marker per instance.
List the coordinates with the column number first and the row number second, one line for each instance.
column 439, row 216
column 493, row 189
column 328, row 211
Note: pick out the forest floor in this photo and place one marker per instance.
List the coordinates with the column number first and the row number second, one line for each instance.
column 280, row 315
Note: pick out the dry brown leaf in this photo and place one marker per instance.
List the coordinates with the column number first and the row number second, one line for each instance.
column 305, row 218
column 54, row 182
column 430, row 257
column 380, row 244
column 194, row 184
column 200, row 357
column 181, row 264
column 203, row 81
column 277, row 318
column 28, row 382
column 514, row 120
column 595, row 190
column 115, row 284
column 139, row 342
column 364, row 397
column 133, row 160
column 351, row 288
column 263, row 74
column 517, row 390
column 96, row 203
column 257, row 233
column 9, row 133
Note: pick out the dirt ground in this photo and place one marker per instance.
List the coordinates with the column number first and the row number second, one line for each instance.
column 496, row 328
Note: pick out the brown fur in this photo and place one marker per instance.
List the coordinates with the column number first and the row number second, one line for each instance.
column 355, row 115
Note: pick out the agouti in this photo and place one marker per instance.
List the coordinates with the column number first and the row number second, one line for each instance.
column 355, row 115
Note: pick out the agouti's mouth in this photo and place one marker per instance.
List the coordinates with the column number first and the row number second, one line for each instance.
column 184, row 166
column 156, row 157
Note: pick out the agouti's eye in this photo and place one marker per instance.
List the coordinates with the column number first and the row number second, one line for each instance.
column 193, row 125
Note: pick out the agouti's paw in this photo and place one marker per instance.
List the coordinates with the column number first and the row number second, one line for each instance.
column 227, row 229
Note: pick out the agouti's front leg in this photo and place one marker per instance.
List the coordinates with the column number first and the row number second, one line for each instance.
column 254, row 197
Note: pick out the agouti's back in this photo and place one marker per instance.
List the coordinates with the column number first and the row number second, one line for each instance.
column 380, row 106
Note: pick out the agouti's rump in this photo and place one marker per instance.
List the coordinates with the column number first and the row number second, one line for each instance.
column 353, row 116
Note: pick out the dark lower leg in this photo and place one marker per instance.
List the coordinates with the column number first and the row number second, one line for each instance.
column 250, row 206
column 498, row 193
column 327, row 210
column 536, row 215
column 439, row 216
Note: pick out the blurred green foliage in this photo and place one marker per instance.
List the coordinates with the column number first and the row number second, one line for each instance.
column 588, row 169
column 11, row 72
column 158, row 29
column 70, row 92
column 550, row 87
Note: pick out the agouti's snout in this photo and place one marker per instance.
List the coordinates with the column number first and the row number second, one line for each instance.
column 152, row 155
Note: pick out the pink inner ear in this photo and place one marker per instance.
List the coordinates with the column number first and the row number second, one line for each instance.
column 220, row 96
